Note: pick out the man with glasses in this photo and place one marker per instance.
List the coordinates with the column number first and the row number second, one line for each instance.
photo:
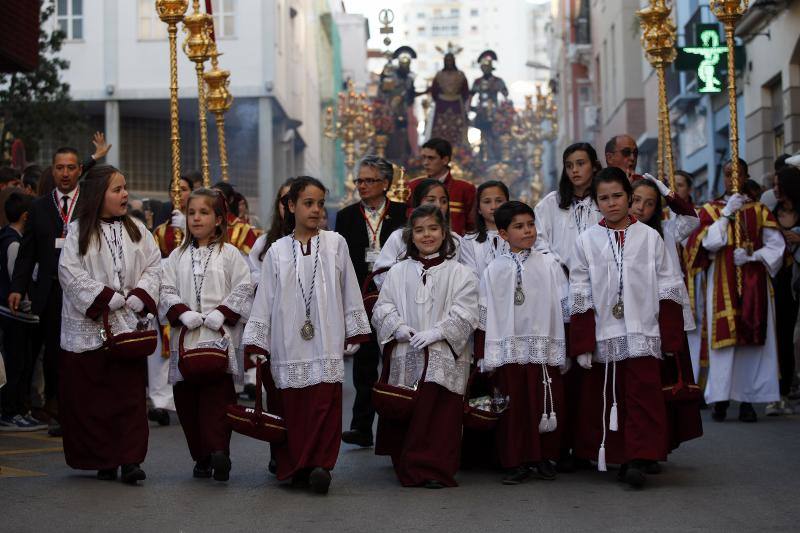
column 365, row 226
column 622, row 152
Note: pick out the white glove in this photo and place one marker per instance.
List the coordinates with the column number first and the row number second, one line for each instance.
column 735, row 202
column 214, row 320
column 426, row 338
column 178, row 219
column 403, row 333
column 191, row 319
column 585, row 360
column 566, row 366
column 350, row 349
column 117, row 302
column 740, row 257
column 662, row 187
column 135, row 304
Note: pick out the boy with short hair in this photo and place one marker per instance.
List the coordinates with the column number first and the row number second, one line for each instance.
column 523, row 297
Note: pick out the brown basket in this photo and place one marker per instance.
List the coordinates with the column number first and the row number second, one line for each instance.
column 130, row 346
column 201, row 365
column 390, row 401
column 255, row 422
column 682, row 391
column 474, row 418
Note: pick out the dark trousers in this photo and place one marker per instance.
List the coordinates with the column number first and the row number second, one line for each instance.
column 202, row 411
column 50, row 328
column 785, row 317
column 18, row 357
column 365, row 374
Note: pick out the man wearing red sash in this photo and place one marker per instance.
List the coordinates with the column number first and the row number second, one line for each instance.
column 740, row 324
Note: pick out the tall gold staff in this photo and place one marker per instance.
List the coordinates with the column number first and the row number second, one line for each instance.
column 171, row 12
column 658, row 41
column 218, row 99
column 198, row 48
column 729, row 12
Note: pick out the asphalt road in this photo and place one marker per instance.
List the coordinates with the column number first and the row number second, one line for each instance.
column 738, row 477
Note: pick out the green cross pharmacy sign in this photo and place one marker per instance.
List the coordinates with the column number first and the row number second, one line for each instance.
column 708, row 58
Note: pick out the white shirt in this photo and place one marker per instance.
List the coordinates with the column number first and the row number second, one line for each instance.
column 557, row 229
column 70, row 195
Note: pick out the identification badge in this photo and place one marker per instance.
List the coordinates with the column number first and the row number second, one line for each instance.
column 60, row 242
column 370, row 255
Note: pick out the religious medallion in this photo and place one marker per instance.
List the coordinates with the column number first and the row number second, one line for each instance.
column 307, row 331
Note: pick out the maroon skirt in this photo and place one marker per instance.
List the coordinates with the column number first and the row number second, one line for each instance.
column 103, row 408
column 202, row 411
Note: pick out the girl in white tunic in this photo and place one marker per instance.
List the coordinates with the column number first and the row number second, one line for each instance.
column 206, row 288
column 482, row 247
column 427, row 305
column 626, row 299
column 307, row 310
column 429, row 191
column 109, row 264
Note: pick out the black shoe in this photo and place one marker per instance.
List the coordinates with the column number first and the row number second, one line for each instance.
column 747, row 413
column 221, row 464
column 250, row 391
column 132, row 473
column 433, row 484
column 158, row 415
column 107, row 474
column 566, row 464
column 583, row 464
column 320, row 480
column 359, row 438
column 54, row 429
column 272, row 466
column 652, row 467
column 634, row 475
column 202, row 469
column 544, row 470
column 300, row 479
column 720, row 411
column 517, row 476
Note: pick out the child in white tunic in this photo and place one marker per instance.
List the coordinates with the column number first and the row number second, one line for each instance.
column 482, row 247
column 428, row 306
column 206, row 296
column 307, row 311
column 110, row 265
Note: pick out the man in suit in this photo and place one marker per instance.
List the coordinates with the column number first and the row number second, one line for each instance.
column 365, row 226
column 41, row 244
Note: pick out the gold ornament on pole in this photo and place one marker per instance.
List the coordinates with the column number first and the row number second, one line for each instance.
column 353, row 126
column 219, row 100
column 729, row 12
column 198, row 47
column 535, row 125
column 658, row 41
column 172, row 12
column 399, row 191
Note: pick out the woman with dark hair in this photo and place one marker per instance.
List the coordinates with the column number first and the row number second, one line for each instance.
column 481, row 247
column 109, row 265
column 787, row 213
column 564, row 214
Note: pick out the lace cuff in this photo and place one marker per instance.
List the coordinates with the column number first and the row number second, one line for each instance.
column 581, row 301
column 83, row 291
column 482, row 314
column 356, row 323
column 565, row 309
column 676, row 293
column 240, row 299
column 256, row 333
column 385, row 328
column 456, row 330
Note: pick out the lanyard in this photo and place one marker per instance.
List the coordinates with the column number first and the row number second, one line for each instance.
column 376, row 230
column 65, row 217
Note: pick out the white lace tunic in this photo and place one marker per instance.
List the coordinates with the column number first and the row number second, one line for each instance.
column 394, row 250
column 226, row 282
column 447, row 300
column 337, row 311
column 478, row 255
column 83, row 278
column 536, row 332
column 648, row 277
column 557, row 229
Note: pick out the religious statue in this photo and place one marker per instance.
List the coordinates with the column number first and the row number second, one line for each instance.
column 450, row 93
column 488, row 87
column 396, row 92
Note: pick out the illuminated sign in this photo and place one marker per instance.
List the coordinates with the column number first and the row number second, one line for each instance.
column 708, row 59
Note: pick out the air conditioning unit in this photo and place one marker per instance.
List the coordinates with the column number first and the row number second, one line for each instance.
column 591, row 116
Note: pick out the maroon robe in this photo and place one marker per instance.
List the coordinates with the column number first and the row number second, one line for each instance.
column 202, row 411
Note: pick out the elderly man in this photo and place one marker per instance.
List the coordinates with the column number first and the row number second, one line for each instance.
column 622, row 152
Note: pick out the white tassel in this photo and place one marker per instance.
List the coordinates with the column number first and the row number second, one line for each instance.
column 601, row 459
column 613, row 421
column 552, row 423
column 543, row 424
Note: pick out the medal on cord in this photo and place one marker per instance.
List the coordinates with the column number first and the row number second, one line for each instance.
column 618, row 311
column 197, row 273
column 519, row 294
column 307, row 331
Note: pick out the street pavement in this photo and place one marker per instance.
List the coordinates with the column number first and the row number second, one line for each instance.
column 738, row 477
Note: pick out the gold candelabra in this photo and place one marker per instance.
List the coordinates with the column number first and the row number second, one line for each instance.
column 172, row 12
column 219, row 100
column 533, row 126
column 198, row 47
column 353, row 126
column 399, row 191
column 658, row 41
column 729, row 12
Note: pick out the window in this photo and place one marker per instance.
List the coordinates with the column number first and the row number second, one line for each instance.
column 224, row 18
column 473, row 13
column 420, row 14
column 69, row 15
column 150, row 26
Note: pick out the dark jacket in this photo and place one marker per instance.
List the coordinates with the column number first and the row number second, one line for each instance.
column 351, row 225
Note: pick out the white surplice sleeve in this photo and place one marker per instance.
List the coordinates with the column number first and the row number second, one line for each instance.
column 544, row 231
column 257, row 332
column 580, row 286
column 462, row 316
column 150, row 279
column 240, row 299
column 356, row 323
column 684, row 225
column 670, row 280
column 716, row 237
column 389, row 256
column 78, row 285
column 771, row 253
column 253, row 258
column 169, row 296
column 467, row 257
column 484, row 293
column 385, row 316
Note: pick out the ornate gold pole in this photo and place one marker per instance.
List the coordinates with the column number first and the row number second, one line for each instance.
column 198, row 48
column 729, row 12
column 171, row 12
column 658, row 41
column 219, row 100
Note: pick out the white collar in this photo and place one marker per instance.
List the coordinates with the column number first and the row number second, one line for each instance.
column 69, row 194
